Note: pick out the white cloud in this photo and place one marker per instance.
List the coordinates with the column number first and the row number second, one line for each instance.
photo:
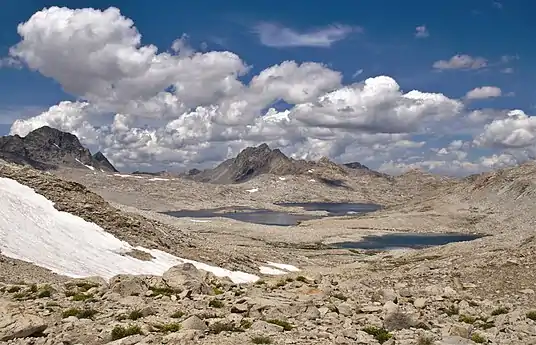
column 516, row 130
column 181, row 108
column 357, row 73
column 462, row 62
column 276, row 35
column 421, row 31
column 483, row 92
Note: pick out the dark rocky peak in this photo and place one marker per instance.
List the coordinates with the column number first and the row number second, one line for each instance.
column 48, row 137
column 101, row 158
column 355, row 165
column 49, row 148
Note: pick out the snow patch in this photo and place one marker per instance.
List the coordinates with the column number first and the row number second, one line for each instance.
column 252, row 190
column 87, row 166
column 199, row 221
column 56, row 145
column 310, row 171
column 125, row 175
column 271, row 271
column 285, row 267
column 32, row 230
column 312, row 180
column 282, row 178
column 158, row 179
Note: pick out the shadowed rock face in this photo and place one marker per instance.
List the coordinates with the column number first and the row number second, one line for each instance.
column 255, row 161
column 101, row 158
column 48, row 148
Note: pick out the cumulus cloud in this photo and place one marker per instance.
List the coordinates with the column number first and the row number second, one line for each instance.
column 461, row 62
column 276, row 35
column 421, row 31
column 183, row 108
column 483, row 92
column 516, row 130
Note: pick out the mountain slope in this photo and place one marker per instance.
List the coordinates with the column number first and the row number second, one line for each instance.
column 255, row 161
column 48, row 148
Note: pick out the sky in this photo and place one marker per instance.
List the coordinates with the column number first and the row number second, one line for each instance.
column 445, row 87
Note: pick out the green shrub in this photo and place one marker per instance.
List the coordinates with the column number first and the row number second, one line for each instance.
column 70, row 312
column 467, row 319
column 217, row 291
column 44, row 293
column 425, row 341
column 135, row 315
column 86, row 314
column 169, row 327
column 477, row 338
column 452, row 310
column 261, row 340
column 245, row 324
column 165, row 291
column 301, row 279
column 380, row 334
column 14, row 289
column 177, row 315
column 286, row 326
column 79, row 313
column 532, row 315
column 499, row 311
column 216, row 303
column 120, row 332
column 218, row 327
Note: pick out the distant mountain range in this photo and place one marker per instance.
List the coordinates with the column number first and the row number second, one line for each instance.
column 255, row 161
column 48, row 148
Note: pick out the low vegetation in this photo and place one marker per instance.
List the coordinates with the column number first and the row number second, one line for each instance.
column 532, row 315
column 499, row 311
column 79, row 313
column 261, row 340
column 169, row 327
column 477, row 338
column 215, row 303
column 380, row 334
column 177, row 315
column 285, row 324
column 119, row 332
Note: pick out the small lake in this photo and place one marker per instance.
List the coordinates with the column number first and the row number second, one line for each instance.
column 270, row 217
column 403, row 240
column 333, row 208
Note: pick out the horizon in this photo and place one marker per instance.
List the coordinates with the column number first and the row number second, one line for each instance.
column 180, row 87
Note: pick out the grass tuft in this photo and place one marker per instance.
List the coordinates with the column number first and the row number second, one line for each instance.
column 261, row 340
column 380, row 334
column 120, row 332
column 500, row 311
column 286, row 326
column 216, row 303
column 177, row 315
column 532, row 315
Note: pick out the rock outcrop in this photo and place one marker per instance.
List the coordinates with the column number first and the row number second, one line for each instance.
column 47, row 148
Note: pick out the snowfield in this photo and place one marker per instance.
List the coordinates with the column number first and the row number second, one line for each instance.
column 32, row 230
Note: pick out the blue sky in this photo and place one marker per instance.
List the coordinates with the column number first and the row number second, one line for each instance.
column 373, row 37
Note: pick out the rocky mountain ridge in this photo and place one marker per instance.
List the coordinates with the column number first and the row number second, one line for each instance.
column 259, row 160
column 47, row 148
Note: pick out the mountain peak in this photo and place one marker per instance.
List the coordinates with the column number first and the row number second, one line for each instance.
column 50, row 148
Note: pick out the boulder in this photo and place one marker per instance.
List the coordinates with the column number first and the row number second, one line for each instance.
column 187, row 277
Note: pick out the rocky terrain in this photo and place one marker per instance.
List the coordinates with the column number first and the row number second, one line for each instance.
column 477, row 292
column 49, row 148
column 255, row 161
